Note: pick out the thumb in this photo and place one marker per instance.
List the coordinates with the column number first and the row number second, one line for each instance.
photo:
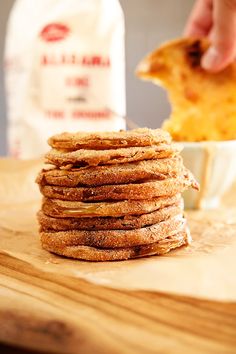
column 223, row 36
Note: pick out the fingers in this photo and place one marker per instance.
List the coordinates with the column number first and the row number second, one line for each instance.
column 223, row 36
column 200, row 20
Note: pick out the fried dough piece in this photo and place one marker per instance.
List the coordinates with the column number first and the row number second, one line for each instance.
column 117, row 238
column 83, row 157
column 128, row 222
column 203, row 103
column 109, row 140
column 112, row 174
column 153, row 189
column 67, row 209
column 97, row 254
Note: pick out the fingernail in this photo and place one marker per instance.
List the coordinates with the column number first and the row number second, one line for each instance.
column 211, row 59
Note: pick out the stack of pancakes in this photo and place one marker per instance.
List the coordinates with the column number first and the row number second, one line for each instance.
column 113, row 196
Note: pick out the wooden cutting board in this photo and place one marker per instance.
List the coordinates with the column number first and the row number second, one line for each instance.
column 184, row 302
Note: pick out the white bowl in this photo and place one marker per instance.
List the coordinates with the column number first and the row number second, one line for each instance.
column 213, row 163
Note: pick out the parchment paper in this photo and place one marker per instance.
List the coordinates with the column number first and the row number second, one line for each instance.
column 204, row 269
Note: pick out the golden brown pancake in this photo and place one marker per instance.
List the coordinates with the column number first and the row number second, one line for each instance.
column 113, row 156
column 113, row 196
column 109, row 140
column 134, row 191
column 129, row 222
column 97, row 254
column 203, row 103
column 112, row 174
column 117, row 238
column 68, row 209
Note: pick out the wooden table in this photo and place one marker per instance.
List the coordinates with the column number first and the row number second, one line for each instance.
column 53, row 312
column 55, row 305
column 7, row 349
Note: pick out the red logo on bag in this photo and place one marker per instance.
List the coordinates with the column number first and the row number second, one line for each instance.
column 54, row 32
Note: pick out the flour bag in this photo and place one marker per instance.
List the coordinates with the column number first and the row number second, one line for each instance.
column 64, row 70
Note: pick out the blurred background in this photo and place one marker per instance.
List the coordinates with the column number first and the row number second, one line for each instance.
column 148, row 23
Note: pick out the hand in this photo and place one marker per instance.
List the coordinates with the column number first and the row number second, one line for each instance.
column 217, row 20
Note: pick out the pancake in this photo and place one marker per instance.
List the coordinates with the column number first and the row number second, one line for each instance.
column 84, row 157
column 112, row 174
column 129, row 222
column 113, row 196
column 117, row 238
column 109, row 140
column 203, row 103
column 97, row 254
column 135, row 191
column 68, row 209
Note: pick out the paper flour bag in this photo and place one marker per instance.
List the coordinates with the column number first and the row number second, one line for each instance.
column 64, row 70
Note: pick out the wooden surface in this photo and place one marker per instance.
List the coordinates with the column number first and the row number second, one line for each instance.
column 53, row 312
column 10, row 349
column 51, row 304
